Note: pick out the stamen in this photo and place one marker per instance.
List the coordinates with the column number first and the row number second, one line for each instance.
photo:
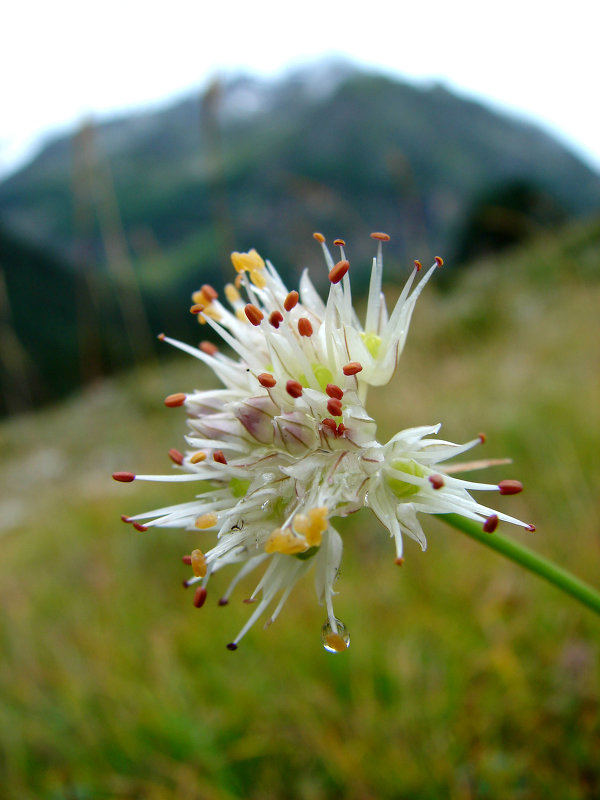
column 187, row 560
column 200, row 596
column 293, row 388
column 197, row 308
column 382, row 237
column 175, row 456
column 330, row 423
column 205, row 521
column 209, row 348
column 530, row 527
column 482, row 437
column 399, row 561
column 418, row 265
column 223, row 601
column 284, row 541
column 334, row 407
column 198, row 457
column 510, row 487
column 338, row 271
column 267, row 380
column 319, row 237
column 439, row 261
column 161, row 337
column 291, row 300
column 125, row 518
column 305, row 327
column 254, row 314
column 276, row 318
column 232, row 294
column 139, row 527
column 208, row 292
column 219, row 457
column 491, row 523
column 436, row 481
column 352, row 368
column 232, row 646
column 334, row 391
column 174, row 400
column 123, row 477
column 198, row 563
column 339, row 242
column 312, row 525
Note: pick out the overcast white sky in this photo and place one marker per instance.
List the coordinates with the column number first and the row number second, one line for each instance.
column 61, row 61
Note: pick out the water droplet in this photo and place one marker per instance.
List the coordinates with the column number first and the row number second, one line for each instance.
column 335, row 642
column 267, row 506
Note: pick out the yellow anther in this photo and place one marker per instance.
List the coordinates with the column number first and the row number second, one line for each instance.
column 198, row 297
column 232, row 294
column 198, row 457
column 257, row 278
column 206, row 521
column 209, row 311
column 334, row 641
column 312, row 525
column 241, row 315
column 198, row 563
column 249, row 261
column 284, row 541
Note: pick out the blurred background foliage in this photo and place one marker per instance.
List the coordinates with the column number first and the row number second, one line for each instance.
column 467, row 677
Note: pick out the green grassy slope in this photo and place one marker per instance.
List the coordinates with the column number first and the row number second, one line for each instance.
column 466, row 677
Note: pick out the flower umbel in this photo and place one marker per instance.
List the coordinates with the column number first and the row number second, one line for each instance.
column 287, row 445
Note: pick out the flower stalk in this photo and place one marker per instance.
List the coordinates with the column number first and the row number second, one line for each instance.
column 522, row 555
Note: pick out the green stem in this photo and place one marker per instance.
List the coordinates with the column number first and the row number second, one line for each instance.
column 522, row 555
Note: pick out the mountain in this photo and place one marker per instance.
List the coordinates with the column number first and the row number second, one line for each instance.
column 149, row 205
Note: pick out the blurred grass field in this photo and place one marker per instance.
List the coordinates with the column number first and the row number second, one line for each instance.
column 466, row 678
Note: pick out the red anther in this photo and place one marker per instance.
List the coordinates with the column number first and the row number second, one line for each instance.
column 124, row 518
column 339, row 242
column 139, row 527
column 232, row 646
column 175, row 456
column 338, row 271
column 334, row 407
column 382, row 237
column 197, row 308
column 291, row 300
column 491, row 523
column 209, row 348
column 530, row 528
column 510, row 487
column 187, row 560
column 219, row 457
column 330, row 423
column 332, row 390
column 249, row 600
column 352, row 368
column 399, row 561
column 200, row 596
column 223, row 601
column 123, row 477
column 418, row 265
column 319, row 237
column 174, row 400
column 208, row 292
column 275, row 318
column 482, row 437
column 305, row 327
column 267, row 380
column 293, row 388
column 185, row 584
column 341, row 429
column 254, row 314
column 161, row 337
column 439, row 261
column 436, row 481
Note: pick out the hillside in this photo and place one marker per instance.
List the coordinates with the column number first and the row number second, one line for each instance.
column 466, row 677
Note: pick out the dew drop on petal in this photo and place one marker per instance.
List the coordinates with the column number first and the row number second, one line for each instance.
column 335, row 642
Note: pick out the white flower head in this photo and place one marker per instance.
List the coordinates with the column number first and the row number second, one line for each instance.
column 287, row 445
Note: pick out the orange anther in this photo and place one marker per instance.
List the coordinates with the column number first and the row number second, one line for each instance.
column 254, row 314
column 267, row 380
column 382, row 237
column 293, row 388
column 174, row 400
column 319, row 237
column 305, row 327
column 291, row 300
column 338, row 271
column 352, row 368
